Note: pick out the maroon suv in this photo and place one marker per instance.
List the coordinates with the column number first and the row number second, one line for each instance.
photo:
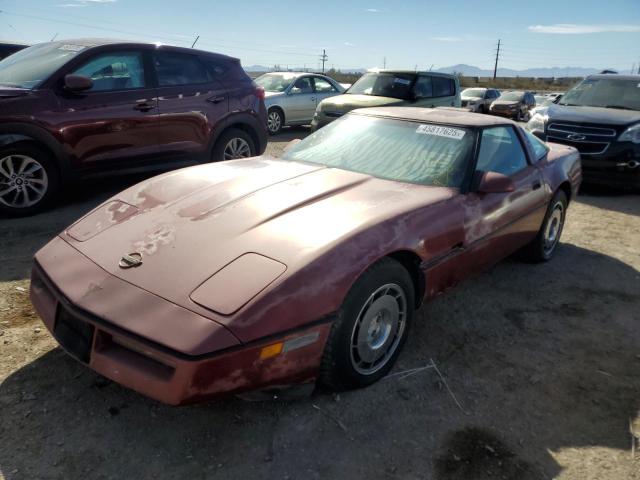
column 76, row 109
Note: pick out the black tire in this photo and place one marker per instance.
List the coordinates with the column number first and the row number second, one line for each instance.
column 539, row 249
column 338, row 370
column 275, row 124
column 228, row 136
column 46, row 170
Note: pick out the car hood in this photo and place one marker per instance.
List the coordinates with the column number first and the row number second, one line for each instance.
column 597, row 115
column 505, row 103
column 191, row 223
column 474, row 99
column 346, row 103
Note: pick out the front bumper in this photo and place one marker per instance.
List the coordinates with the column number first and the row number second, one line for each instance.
column 321, row 119
column 504, row 113
column 618, row 166
column 151, row 349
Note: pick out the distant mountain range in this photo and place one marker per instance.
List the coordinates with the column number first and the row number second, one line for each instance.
column 471, row 71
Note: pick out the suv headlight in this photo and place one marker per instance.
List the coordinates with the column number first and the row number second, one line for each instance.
column 631, row 134
column 537, row 123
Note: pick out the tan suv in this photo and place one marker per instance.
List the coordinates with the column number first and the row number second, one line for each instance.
column 391, row 88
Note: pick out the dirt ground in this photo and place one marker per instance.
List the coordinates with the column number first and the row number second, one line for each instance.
column 544, row 361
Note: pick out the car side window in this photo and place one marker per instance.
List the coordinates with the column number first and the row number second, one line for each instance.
column 114, row 71
column 179, row 69
column 538, row 147
column 443, row 87
column 322, row 86
column 302, row 85
column 423, row 87
column 501, row 151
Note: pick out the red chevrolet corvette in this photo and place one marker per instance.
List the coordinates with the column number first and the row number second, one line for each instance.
column 260, row 273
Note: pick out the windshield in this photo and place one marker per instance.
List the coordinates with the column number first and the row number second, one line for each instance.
column 424, row 154
column 394, row 85
column 28, row 68
column 275, row 82
column 473, row 92
column 605, row 92
column 512, row 96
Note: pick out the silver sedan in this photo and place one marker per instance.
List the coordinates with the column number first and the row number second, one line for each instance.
column 292, row 97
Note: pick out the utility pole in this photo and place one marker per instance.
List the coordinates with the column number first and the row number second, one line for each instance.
column 324, row 58
column 195, row 41
column 384, row 63
column 495, row 69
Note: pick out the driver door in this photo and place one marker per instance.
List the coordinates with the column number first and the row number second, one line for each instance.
column 498, row 224
column 112, row 124
column 301, row 101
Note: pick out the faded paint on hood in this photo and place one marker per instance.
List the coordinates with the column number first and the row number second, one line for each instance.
column 346, row 103
column 190, row 223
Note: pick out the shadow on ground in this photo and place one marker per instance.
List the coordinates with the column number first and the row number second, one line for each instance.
column 543, row 358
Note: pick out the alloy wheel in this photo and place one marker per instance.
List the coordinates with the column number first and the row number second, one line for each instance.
column 378, row 329
column 274, row 122
column 553, row 228
column 237, row 148
column 23, row 181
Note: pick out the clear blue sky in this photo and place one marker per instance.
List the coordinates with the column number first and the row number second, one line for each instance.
column 355, row 33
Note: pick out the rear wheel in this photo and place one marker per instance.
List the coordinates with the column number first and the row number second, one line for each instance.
column 28, row 180
column 233, row 144
column 541, row 249
column 370, row 329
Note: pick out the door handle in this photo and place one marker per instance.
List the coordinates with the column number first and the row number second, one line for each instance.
column 215, row 100
column 536, row 185
column 143, row 107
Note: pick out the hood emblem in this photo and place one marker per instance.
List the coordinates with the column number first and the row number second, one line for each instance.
column 576, row 136
column 131, row 260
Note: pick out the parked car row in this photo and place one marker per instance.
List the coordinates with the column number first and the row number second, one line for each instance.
column 302, row 98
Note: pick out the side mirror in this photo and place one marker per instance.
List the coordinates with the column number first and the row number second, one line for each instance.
column 494, row 182
column 77, row 83
column 291, row 144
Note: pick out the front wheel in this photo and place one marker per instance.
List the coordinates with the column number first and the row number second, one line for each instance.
column 370, row 329
column 275, row 121
column 233, row 144
column 28, row 180
column 541, row 249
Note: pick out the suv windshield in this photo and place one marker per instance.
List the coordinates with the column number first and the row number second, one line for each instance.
column 28, row 68
column 473, row 93
column 512, row 96
column 275, row 82
column 394, row 85
column 424, row 154
column 605, row 92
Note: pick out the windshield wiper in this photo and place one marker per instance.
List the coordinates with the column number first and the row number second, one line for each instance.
column 621, row 107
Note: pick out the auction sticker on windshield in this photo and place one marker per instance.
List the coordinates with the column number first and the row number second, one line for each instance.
column 441, row 131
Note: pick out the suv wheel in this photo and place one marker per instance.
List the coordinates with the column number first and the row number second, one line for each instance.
column 233, row 144
column 28, row 180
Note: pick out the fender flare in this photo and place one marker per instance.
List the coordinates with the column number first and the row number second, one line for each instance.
column 241, row 120
column 13, row 133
